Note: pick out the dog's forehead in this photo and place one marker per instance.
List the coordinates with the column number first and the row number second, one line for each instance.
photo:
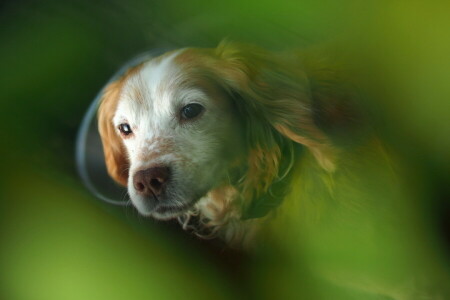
column 159, row 74
column 156, row 79
column 151, row 88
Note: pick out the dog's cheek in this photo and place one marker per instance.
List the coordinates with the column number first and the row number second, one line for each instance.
column 204, row 162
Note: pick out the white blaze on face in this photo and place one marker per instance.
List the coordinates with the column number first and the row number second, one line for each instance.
column 146, row 106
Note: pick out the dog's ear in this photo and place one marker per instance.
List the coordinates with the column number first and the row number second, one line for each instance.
column 274, row 93
column 115, row 156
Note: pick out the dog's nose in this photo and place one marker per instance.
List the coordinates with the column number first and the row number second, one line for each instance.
column 151, row 181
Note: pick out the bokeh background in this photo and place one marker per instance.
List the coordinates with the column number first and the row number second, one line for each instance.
column 58, row 242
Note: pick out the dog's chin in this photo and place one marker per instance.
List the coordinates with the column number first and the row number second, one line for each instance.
column 161, row 211
column 167, row 212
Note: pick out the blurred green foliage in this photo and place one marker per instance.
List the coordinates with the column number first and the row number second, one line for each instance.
column 57, row 242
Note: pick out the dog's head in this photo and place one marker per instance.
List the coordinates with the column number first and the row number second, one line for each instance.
column 178, row 126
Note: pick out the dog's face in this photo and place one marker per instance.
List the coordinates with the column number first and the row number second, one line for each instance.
column 180, row 134
column 175, row 127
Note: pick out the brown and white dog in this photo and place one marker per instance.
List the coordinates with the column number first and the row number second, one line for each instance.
column 215, row 132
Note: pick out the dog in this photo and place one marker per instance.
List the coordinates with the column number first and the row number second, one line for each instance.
column 248, row 145
column 211, row 133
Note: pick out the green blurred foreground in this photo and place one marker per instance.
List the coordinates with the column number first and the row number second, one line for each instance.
column 57, row 246
column 58, row 242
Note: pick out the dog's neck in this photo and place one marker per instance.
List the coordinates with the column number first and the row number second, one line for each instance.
column 225, row 212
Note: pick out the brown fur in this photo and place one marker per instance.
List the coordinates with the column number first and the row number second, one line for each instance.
column 114, row 151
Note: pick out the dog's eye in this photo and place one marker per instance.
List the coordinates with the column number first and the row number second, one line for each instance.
column 191, row 111
column 125, row 129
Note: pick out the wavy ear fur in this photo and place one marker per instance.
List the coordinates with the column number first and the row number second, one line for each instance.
column 274, row 94
column 114, row 151
column 277, row 89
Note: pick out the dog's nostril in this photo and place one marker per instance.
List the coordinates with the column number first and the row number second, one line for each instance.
column 139, row 186
column 156, row 183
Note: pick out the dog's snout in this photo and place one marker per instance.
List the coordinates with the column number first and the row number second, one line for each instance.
column 151, row 181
